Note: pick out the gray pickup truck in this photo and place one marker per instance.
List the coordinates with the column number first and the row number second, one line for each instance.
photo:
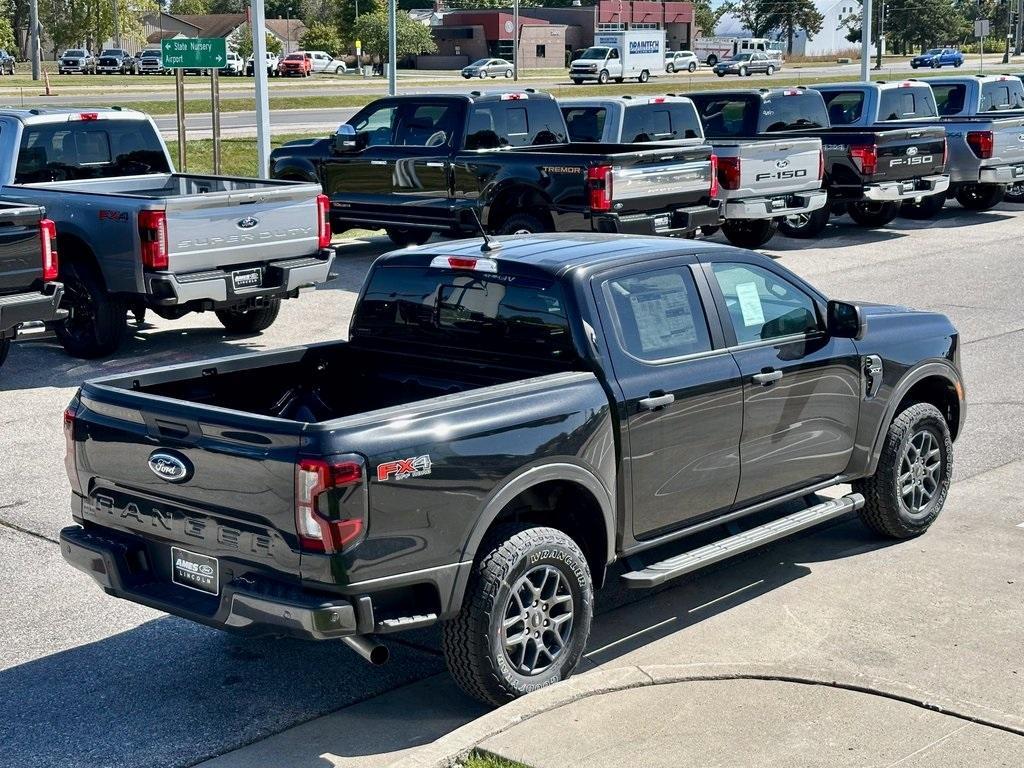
column 761, row 179
column 135, row 235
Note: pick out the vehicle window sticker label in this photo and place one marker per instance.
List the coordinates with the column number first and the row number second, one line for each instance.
column 750, row 304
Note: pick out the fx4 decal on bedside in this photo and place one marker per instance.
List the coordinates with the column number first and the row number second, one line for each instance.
column 417, row 466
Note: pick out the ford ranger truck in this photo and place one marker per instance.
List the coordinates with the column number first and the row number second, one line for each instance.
column 29, row 291
column 760, row 180
column 505, row 421
column 985, row 151
column 133, row 235
column 449, row 164
column 867, row 172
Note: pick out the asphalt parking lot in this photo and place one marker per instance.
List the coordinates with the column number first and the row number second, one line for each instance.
column 86, row 680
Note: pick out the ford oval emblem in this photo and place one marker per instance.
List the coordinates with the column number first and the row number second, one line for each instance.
column 1020, row 137
column 781, row 163
column 169, row 466
column 247, row 223
column 911, row 151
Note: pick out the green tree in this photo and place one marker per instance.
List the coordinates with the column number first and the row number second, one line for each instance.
column 707, row 18
column 7, row 41
column 321, row 36
column 189, row 7
column 91, row 22
column 242, row 42
column 413, row 38
column 755, row 16
column 788, row 16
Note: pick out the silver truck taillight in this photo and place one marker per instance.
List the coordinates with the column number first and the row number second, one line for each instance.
column 48, row 249
column 153, row 235
column 323, row 221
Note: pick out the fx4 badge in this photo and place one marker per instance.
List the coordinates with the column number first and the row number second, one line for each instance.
column 417, row 466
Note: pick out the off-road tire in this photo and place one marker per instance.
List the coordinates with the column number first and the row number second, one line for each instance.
column 750, row 233
column 403, row 237
column 928, row 208
column 250, row 320
column 98, row 321
column 523, row 223
column 872, row 215
column 813, row 226
column 473, row 643
column 980, row 197
column 884, row 510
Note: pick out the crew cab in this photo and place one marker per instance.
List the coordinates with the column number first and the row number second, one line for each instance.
column 451, row 164
column 76, row 60
column 760, row 181
column 115, row 61
column 296, row 64
column 29, row 291
column 134, row 235
column 985, row 151
column 507, row 419
column 151, row 62
column 867, row 171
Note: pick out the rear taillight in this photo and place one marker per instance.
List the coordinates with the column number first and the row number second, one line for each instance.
column 70, row 457
column 599, row 183
column 982, row 143
column 713, row 191
column 945, row 151
column 322, row 518
column 865, row 158
column 729, row 172
column 153, row 234
column 323, row 221
column 48, row 248
column 821, row 164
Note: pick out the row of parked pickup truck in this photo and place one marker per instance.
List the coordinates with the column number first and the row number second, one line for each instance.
column 133, row 236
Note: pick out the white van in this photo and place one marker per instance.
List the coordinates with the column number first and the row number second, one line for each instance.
column 635, row 53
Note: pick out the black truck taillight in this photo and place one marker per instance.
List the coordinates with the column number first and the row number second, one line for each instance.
column 330, row 504
column 323, row 221
column 865, row 158
column 982, row 143
column 599, row 186
column 153, row 236
column 48, row 249
column 70, row 454
column 729, row 172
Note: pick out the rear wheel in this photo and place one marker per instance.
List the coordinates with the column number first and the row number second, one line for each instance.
column 980, row 197
column 871, row 214
column 805, row 225
column 526, row 614
column 749, row 233
column 97, row 322
column 523, row 224
column 251, row 320
column 692, row 67
column 670, row 68
column 644, row 76
column 403, row 236
column 508, row 73
column 1015, row 193
column 743, row 71
column 928, row 207
column 712, row 60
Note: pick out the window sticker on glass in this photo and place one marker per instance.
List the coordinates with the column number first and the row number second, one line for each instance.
column 750, row 304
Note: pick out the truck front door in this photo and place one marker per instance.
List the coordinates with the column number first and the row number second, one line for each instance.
column 681, row 394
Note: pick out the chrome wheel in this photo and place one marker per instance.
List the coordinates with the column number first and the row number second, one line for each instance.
column 920, row 472
column 538, row 620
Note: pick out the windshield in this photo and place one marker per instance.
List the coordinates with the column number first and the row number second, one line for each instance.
column 741, row 57
column 157, row 53
column 75, row 53
column 595, row 53
column 89, row 150
column 933, row 52
column 296, row 56
column 112, row 52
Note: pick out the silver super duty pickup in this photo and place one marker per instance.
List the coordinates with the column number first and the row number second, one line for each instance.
column 134, row 235
column 760, row 179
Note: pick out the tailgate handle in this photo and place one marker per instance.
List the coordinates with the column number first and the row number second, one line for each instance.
column 171, row 428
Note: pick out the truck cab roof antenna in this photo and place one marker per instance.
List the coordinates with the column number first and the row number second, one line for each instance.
column 490, row 245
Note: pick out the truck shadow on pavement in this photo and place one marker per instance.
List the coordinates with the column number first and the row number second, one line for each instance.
column 169, row 692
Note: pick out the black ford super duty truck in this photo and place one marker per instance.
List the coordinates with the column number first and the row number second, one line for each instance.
column 28, row 271
column 416, row 165
column 501, row 425
column 869, row 171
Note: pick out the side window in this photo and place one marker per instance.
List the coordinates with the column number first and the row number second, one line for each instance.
column 658, row 315
column 762, row 305
column 614, row 54
column 427, row 125
column 376, row 126
column 585, row 123
column 517, row 125
column 482, row 129
column 844, row 107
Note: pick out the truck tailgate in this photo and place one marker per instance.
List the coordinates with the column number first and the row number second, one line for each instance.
column 20, row 255
column 1008, row 141
column 908, row 153
column 772, row 166
column 652, row 180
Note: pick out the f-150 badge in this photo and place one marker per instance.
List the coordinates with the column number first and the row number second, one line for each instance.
column 417, row 466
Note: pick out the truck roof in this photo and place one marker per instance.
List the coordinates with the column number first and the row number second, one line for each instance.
column 791, row 89
column 626, row 101
column 56, row 115
column 476, row 97
column 880, row 84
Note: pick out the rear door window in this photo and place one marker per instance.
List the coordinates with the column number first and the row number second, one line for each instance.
column 515, row 123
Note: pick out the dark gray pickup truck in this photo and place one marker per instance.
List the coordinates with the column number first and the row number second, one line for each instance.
column 28, row 271
column 502, row 424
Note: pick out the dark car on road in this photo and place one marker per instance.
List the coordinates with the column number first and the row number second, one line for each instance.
column 937, row 58
column 505, row 420
column 746, row 64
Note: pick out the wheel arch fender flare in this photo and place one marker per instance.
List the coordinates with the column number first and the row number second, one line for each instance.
column 295, row 169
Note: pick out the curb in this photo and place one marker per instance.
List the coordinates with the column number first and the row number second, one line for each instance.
column 444, row 752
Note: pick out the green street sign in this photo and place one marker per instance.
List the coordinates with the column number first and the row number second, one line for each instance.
column 194, row 52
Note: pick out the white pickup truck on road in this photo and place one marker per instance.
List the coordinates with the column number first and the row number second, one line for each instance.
column 134, row 235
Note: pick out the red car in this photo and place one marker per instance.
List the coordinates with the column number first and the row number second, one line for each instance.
column 296, row 64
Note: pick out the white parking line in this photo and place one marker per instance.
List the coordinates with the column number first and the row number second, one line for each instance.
column 1020, row 525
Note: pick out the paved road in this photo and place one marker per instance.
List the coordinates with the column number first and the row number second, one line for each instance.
column 86, row 680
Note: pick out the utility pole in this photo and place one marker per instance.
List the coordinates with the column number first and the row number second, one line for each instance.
column 258, row 25
column 881, row 37
column 865, row 42
column 1009, row 31
column 1019, row 27
column 392, row 48
column 515, row 40
column 33, row 44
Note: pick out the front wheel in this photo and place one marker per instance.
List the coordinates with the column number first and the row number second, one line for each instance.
column 508, row 73
column 526, row 615
column 720, row 74
column 404, row 237
column 871, row 214
column 644, row 76
column 743, row 71
column 770, row 71
column 928, row 207
column 910, row 484
column 483, row 74
column 913, row 66
column 980, row 197
column 670, row 68
column 712, row 60
column 251, row 320
column 749, row 233
column 806, row 225
column 603, row 77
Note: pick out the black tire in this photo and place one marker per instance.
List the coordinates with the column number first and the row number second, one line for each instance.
column 1015, row 193
column 743, row 72
column 720, row 74
column 870, row 214
column 475, row 644
column 5, row 347
column 577, row 81
column 770, row 71
column 250, row 320
column 913, row 65
column 603, row 77
column 887, row 510
column 712, row 60
column 807, row 225
column 749, row 233
column 404, row 237
column 97, row 322
column 710, row 230
column 670, row 68
column 692, row 67
column 980, row 197
column 928, row 208
column 523, row 223
column 644, row 76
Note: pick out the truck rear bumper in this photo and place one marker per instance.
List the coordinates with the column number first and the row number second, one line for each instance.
column 892, row 191
column 217, row 286
column 681, row 221
column 1002, row 174
column 26, row 307
column 244, row 605
column 772, row 207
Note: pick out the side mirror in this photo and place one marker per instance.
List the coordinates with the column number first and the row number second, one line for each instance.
column 345, row 138
column 845, row 320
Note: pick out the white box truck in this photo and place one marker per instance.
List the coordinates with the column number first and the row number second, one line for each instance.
column 634, row 53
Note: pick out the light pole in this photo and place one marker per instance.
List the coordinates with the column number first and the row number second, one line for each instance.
column 288, row 30
column 515, row 41
column 865, row 42
column 392, row 48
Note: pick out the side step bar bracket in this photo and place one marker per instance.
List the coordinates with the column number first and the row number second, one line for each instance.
column 658, row 573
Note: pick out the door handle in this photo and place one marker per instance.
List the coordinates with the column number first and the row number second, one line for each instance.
column 656, row 401
column 767, row 377
column 434, row 165
column 378, row 162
